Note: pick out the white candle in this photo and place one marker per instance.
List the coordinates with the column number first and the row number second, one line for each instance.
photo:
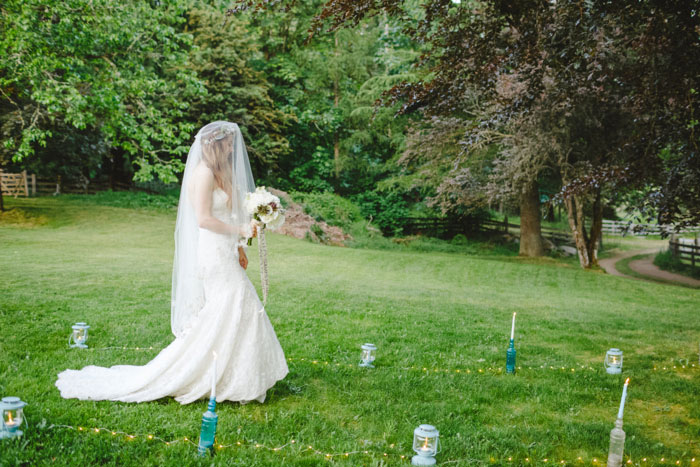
column 213, row 378
column 10, row 422
column 512, row 328
column 622, row 401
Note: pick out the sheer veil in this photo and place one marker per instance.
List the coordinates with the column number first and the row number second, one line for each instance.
column 187, row 287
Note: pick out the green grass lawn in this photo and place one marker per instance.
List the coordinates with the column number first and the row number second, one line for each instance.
column 73, row 259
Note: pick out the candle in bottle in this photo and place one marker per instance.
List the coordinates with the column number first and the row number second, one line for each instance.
column 213, row 378
column 512, row 328
column 622, row 401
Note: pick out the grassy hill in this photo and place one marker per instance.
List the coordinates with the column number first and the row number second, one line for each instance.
column 440, row 320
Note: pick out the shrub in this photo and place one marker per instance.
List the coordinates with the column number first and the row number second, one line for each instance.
column 387, row 210
column 130, row 199
column 329, row 207
column 460, row 239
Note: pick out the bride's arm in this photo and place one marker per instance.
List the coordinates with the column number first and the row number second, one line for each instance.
column 202, row 200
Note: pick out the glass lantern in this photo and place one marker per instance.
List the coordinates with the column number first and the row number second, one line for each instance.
column 425, row 443
column 12, row 417
column 79, row 335
column 613, row 361
column 368, row 354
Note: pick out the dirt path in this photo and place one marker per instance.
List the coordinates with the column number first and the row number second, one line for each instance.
column 609, row 263
column 646, row 267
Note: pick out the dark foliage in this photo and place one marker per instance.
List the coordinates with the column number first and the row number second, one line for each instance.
column 628, row 69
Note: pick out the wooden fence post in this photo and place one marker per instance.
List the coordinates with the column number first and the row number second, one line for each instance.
column 33, row 184
column 674, row 247
column 505, row 224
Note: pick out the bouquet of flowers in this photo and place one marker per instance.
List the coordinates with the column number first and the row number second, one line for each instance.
column 265, row 208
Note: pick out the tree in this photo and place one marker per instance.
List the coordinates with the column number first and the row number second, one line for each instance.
column 222, row 59
column 610, row 84
column 340, row 141
column 122, row 75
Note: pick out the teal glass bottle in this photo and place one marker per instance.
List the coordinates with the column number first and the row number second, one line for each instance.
column 208, row 433
column 510, row 358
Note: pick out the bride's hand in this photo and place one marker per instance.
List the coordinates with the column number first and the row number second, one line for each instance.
column 254, row 228
column 242, row 258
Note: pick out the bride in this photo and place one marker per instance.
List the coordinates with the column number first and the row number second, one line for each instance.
column 215, row 307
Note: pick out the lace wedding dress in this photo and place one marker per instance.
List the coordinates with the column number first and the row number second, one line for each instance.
column 231, row 321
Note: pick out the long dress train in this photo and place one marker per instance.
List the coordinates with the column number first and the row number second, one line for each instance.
column 231, row 321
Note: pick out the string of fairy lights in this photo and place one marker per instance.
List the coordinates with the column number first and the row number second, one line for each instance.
column 390, row 454
column 488, row 369
column 464, row 370
column 301, row 447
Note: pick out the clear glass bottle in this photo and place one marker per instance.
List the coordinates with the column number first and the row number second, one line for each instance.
column 617, row 445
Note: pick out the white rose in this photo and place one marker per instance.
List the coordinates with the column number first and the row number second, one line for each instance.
column 270, row 216
column 276, row 223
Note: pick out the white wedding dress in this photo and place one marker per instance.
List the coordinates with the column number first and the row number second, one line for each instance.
column 231, row 321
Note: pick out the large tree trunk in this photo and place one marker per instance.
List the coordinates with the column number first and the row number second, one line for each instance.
column 574, row 213
column 596, row 234
column 586, row 244
column 531, row 243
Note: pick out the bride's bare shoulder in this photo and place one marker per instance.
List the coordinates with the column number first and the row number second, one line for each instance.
column 203, row 170
column 202, row 178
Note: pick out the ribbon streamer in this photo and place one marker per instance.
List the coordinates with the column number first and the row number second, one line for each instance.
column 262, row 252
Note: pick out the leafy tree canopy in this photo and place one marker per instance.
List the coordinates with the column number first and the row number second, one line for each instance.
column 112, row 67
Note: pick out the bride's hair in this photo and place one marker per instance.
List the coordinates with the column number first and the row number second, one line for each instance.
column 217, row 154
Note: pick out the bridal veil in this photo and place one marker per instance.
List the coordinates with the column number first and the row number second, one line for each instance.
column 236, row 178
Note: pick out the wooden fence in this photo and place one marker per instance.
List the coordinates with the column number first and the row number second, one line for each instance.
column 17, row 184
column 684, row 250
column 623, row 228
column 438, row 226
column 46, row 186
column 23, row 184
column 558, row 237
column 448, row 228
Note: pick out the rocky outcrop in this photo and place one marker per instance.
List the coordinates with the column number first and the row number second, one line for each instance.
column 300, row 225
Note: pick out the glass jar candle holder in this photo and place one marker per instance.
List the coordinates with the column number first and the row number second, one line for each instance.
column 12, row 409
column 369, row 352
column 79, row 336
column 425, row 444
column 613, row 361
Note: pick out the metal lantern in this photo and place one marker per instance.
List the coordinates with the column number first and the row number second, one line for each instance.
column 425, row 443
column 79, row 335
column 12, row 417
column 368, row 354
column 613, row 361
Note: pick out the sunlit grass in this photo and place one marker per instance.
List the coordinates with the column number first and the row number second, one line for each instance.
column 441, row 311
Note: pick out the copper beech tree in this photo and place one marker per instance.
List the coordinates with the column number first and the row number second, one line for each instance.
column 601, row 93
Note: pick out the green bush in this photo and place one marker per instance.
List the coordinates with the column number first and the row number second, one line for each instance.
column 130, row 199
column 329, row 207
column 460, row 239
column 387, row 210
